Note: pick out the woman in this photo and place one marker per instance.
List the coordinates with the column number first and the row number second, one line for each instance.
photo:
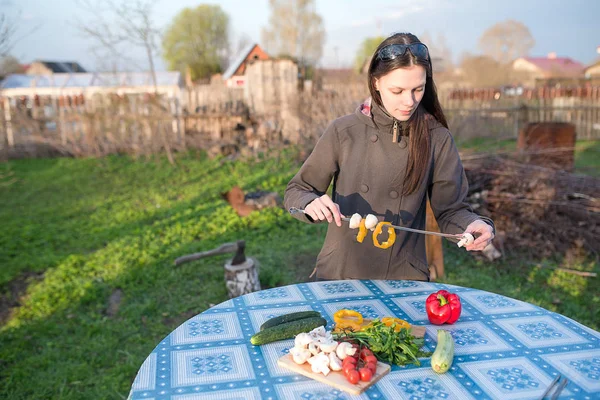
column 387, row 159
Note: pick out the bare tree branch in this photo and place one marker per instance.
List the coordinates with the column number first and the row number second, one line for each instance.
column 128, row 22
column 7, row 32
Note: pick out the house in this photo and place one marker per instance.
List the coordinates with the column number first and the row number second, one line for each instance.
column 40, row 67
column 592, row 71
column 234, row 75
column 73, row 84
column 541, row 68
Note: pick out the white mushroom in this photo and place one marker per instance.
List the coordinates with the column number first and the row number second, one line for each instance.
column 344, row 349
column 328, row 346
column 334, row 362
column 314, row 349
column 466, row 240
column 371, row 222
column 318, row 331
column 299, row 355
column 322, row 368
column 325, row 338
column 355, row 221
column 302, row 340
column 320, row 363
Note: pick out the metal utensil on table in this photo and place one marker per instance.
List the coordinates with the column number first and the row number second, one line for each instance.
column 458, row 236
column 559, row 389
column 561, row 386
column 549, row 388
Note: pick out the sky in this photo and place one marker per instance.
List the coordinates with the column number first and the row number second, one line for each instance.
column 49, row 29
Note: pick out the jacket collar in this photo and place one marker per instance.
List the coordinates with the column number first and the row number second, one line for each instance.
column 373, row 115
column 379, row 118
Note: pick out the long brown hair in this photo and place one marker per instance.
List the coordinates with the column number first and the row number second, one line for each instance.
column 418, row 132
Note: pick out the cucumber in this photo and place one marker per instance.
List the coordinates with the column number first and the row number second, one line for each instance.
column 287, row 330
column 441, row 359
column 288, row 318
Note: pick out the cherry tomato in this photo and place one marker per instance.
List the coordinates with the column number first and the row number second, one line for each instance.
column 347, row 368
column 372, row 367
column 350, row 359
column 365, row 352
column 371, row 358
column 353, row 376
column 365, row 374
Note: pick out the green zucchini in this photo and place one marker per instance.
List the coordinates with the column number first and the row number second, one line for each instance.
column 287, row 330
column 282, row 319
column 441, row 359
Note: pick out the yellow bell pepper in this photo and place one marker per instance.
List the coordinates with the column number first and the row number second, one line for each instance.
column 362, row 231
column 391, row 235
column 347, row 319
column 400, row 323
column 388, row 321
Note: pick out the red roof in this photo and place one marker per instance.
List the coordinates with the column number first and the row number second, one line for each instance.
column 562, row 64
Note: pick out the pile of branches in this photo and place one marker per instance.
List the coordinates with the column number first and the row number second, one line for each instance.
column 542, row 211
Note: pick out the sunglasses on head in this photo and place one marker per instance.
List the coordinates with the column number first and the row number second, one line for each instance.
column 393, row 51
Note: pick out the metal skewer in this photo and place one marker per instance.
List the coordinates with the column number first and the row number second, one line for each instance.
column 550, row 387
column 294, row 210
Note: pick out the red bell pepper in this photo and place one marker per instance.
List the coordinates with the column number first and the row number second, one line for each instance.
column 443, row 307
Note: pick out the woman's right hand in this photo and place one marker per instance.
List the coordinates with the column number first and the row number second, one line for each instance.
column 324, row 208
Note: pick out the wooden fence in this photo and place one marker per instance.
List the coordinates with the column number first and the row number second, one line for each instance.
column 110, row 123
column 140, row 123
column 502, row 113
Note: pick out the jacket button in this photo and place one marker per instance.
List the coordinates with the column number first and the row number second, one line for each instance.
column 374, row 138
column 394, row 194
column 364, row 188
column 403, row 143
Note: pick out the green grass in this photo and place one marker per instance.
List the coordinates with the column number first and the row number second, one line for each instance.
column 587, row 157
column 75, row 231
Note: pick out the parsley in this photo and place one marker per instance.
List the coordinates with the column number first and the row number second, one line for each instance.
column 387, row 345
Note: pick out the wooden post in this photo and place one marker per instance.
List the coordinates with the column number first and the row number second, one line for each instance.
column 7, row 118
column 523, row 118
column 433, row 246
column 61, row 120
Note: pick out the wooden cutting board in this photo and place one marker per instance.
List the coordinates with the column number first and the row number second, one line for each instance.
column 416, row 330
column 336, row 379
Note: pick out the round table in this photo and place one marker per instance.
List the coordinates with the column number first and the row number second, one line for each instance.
column 504, row 348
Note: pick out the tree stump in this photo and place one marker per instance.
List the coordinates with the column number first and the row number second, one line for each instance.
column 242, row 278
column 241, row 273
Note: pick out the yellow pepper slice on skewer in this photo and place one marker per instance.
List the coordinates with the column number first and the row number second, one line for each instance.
column 362, row 231
column 391, row 235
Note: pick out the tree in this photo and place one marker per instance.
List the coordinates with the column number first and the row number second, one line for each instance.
column 366, row 50
column 441, row 55
column 506, row 41
column 128, row 23
column 484, row 71
column 7, row 32
column 197, row 39
column 237, row 46
column 295, row 29
column 10, row 65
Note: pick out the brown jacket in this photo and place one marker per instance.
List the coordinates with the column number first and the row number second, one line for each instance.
column 367, row 170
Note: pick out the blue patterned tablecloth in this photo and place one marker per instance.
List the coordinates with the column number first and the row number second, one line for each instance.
column 505, row 348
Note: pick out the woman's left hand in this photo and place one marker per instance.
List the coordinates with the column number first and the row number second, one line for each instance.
column 486, row 234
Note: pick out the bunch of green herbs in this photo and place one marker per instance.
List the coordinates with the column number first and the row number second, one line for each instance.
column 400, row 348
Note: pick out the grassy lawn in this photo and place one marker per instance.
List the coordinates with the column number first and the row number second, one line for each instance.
column 88, row 247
